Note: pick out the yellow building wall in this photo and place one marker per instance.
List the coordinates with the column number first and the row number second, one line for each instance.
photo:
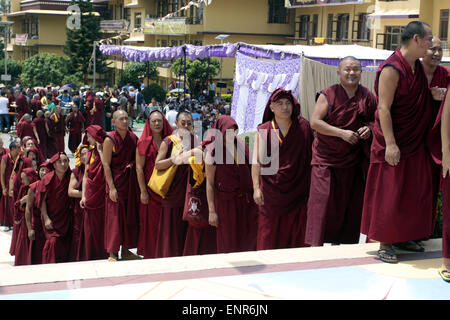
column 52, row 30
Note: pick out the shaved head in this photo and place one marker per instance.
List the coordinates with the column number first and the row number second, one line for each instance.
column 119, row 113
column 348, row 58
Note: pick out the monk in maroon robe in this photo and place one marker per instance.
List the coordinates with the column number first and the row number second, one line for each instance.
column 22, row 105
column 41, row 130
column 7, row 164
column 75, row 192
column 156, row 129
column 33, row 220
column 342, row 119
column 95, row 114
column 437, row 82
column 3, row 151
column 35, row 105
column 53, row 199
column 441, row 136
column 229, row 188
column 398, row 198
column 119, row 151
column 22, row 246
column 26, row 127
column 282, row 190
column 58, row 126
column 75, row 121
column 172, row 228
column 92, row 236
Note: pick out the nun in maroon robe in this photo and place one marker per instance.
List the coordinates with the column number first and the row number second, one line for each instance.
column 121, row 228
column 91, row 245
column 53, row 199
column 172, row 227
column 6, row 212
column 398, row 199
column 282, row 217
column 25, row 128
column 232, row 188
column 38, row 241
column 22, row 245
column 149, row 214
column 75, row 122
column 338, row 169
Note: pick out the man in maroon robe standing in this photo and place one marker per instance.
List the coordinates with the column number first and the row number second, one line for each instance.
column 119, row 151
column 41, row 130
column 22, row 105
column 75, row 121
column 26, row 127
column 342, row 118
column 58, row 125
column 92, row 202
column 437, row 81
column 398, row 197
column 95, row 114
column 282, row 194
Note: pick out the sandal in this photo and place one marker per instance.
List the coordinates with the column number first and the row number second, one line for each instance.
column 409, row 246
column 442, row 272
column 112, row 259
column 387, row 255
column 131, row 256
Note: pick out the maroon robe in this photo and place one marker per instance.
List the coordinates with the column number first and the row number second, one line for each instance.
column 59, row 210
column 149, row 214
column 77, row 220
column 75, row 130
column 440, row 80
column 25, row 128
column 446, row 218
column 22, row 245
column 337, row 175
column 39, row 124
column 97, row 117
column 35, row 106
column 120, row 222
column 233, row 194
column 51, row 144
column 58, row 131
column 397, row 201
column 22, row 106
column 6, row 212
column 172, row 227
column 91, row 245
column 37, row 245
column 282, row 218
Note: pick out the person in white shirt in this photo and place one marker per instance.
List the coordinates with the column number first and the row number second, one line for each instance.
column 171, row 116
column 4, row 113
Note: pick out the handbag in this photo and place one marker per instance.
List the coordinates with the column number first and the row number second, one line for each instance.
column 161, row 180
column 196, row 211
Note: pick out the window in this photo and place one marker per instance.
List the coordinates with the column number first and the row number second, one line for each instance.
column 304, row 27
column 330, row 26
column 30, row 25
column 278, row 12
column 127, row 14
column 315, row 26
column 393, row 37
column 363, row 30
column 443, row 25
column 163, row 43
column 342, row 26
column 173, row 43
column 137, row 20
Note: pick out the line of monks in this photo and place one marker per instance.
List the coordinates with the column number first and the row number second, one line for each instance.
column 368, row 168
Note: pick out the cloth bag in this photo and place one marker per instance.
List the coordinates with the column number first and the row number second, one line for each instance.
column 161, row 180
column 196, row 211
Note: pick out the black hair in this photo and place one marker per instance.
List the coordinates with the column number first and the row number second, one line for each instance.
column 13, row 145
column 183, row 112
column 413, row 28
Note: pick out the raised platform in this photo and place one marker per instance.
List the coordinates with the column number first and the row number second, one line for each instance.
column 330, row 272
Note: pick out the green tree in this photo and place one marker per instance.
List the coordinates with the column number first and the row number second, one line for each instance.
column 154, row 91
column 197, row 72
column 80, row 40
column 14, row 68
column 44, row 68
column 135, row 71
